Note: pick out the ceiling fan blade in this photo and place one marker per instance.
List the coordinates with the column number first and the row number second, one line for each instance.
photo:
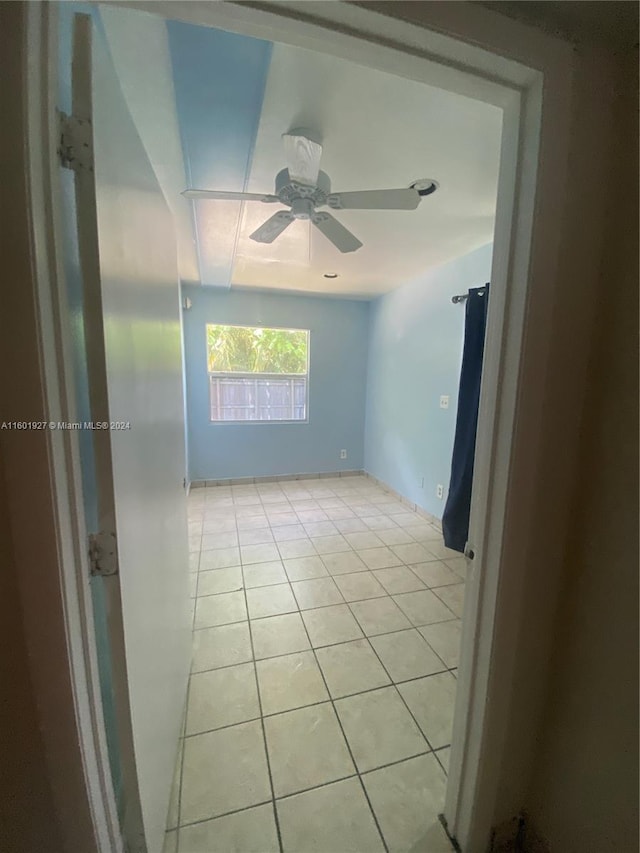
column 375, row 200
column 303, row 156
column 335, row 231
column 230, row 196
column 273, row 227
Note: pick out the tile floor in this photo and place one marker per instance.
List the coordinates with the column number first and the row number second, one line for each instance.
column 326, row 633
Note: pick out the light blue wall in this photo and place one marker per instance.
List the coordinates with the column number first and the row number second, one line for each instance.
column 337, row 385
column 415, row 352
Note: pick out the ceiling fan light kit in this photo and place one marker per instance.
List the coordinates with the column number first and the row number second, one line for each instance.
column 303, row 188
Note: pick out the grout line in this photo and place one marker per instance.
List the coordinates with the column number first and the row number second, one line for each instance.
column 264, row 733
column 309, row 704
column 394, row 685
column 453, row 617
column 348, row 745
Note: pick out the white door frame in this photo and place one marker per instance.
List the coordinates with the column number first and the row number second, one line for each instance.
column 471, row 50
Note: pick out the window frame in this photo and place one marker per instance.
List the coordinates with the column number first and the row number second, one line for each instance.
column 243, row 375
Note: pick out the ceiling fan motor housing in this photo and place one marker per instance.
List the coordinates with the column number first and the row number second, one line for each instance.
column 302, row 198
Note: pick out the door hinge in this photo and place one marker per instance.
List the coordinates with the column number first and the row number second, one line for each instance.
column 103, row 554
column 75, row 142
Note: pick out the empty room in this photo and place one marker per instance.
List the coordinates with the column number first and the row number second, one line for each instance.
column 332, row 231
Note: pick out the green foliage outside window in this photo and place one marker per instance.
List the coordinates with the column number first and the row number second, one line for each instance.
column 244, row 349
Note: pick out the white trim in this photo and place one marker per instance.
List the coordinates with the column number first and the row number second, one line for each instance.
column 444, row 51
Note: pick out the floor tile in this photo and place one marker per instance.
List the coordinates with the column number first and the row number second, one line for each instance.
column 407, row 799
column 278, row 635
column 296, row 548
column 193, row 584
column 379, row 558
column 360, row 541
column 320, row 528
column 453, row 597
column 172, row 814
column 264, row 574
column 344, row 562
column 459, row 566
column 290, row 682
column 442, row 552
column 224, row 771
column 221, row 609
column 289, row 532
column 358, row 586
column 256, row 536
column 330, row 544
column 304, row 568
column 224, row 646
column 379, row 616
column 220, row 580
column 254, row 522
column 444, row 639
column 350, row 668
column 395, row 536
column 277, row 519
column 222, row 697
column 443, row 756
column 219, row 539
column 398, row 579
column 339, row 513
column 247, row 500
column 270, row 600
column 306, row 749
column 425, row 534
column 351, row 525
column 333, row 818
column 412, row 552
column 170, row 842
column 219, row 558
column 379, row 728
column 316, row 593
column 432, row 702
column 307, row 516
column 329, row 625
column 249, row 831
column 194, row 561
column 405, row 654
column 405, row 518
column 259, row 553
column 379, row 523
column 422, row 607
column 435, row 573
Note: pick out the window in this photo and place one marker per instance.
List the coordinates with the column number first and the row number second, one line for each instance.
column 257, row 374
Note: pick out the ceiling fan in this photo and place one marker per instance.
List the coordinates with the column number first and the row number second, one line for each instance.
column 303, row 187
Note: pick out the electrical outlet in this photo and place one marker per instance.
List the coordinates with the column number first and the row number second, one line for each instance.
column 444, row 401
column 422, row 483
column 343, row 454
column 440, row 491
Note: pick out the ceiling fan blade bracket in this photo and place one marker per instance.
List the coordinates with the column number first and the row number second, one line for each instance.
column 399, row 199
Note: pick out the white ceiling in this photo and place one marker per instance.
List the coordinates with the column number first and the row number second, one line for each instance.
column 378, row 131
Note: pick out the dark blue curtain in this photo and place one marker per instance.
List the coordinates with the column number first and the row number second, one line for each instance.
column 455, row 520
